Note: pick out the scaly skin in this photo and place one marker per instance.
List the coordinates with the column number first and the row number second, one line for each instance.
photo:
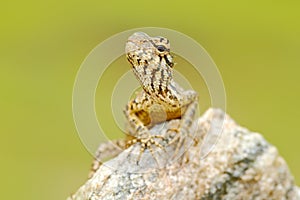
column 161, row 99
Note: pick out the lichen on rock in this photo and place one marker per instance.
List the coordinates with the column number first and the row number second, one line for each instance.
column 232, row 164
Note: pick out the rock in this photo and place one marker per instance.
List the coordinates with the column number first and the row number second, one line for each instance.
column 230, row 163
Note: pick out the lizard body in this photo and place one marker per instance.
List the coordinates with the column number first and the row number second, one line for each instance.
column 161, row 99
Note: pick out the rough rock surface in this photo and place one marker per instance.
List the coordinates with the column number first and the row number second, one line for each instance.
column 230, row 163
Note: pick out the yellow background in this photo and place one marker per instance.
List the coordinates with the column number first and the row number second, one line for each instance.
column 255, row 45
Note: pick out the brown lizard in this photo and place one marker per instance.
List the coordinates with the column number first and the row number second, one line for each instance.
column 161, row 99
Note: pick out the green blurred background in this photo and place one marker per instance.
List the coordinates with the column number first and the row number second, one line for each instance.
column 255, row 45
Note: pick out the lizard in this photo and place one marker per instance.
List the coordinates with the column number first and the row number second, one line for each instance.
column 161, row 98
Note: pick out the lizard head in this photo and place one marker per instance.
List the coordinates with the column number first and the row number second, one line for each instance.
column 150, row 59
column 142, row 48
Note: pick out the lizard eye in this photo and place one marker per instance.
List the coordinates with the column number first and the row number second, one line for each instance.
column 161, row 48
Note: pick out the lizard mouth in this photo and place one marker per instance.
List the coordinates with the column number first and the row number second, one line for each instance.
column 168, row 59
column 141, row 48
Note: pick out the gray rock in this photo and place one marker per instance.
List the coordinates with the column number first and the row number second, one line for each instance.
column 230, row 163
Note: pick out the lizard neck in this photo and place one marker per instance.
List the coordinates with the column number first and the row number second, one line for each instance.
column 154, row 78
